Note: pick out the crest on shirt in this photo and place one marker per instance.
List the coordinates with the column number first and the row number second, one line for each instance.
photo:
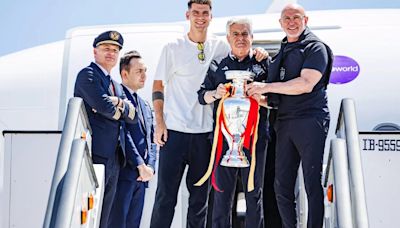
column 282, row 73
column 257, row 69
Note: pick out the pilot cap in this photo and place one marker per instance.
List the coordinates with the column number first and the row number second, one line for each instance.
column 109, row 37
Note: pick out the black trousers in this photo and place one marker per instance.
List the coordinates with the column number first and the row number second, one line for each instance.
column 180, row 150
column 112, row 167
column 271, row 213
column 226, row 178
column 300, row 140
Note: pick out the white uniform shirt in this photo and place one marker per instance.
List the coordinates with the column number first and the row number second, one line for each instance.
column 182, row 74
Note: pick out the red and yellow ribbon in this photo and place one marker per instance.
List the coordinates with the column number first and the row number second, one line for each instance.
column 249, row 142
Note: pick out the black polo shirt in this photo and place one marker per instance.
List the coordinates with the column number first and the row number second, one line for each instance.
column 296, row 56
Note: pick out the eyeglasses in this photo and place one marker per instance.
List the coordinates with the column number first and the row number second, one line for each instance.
column 295, row 18
column 201, row 56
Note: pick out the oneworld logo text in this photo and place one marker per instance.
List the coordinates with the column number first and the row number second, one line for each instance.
column 344, row 70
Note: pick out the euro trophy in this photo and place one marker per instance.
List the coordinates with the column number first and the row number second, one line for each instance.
column 236, row 111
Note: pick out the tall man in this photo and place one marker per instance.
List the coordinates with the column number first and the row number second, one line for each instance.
column 182, row 67
column 182, row 124
column 300, row 74
column 140, row 150
column 105, row 105
column 240, row 38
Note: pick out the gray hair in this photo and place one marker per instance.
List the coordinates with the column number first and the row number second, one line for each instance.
column 240, row 21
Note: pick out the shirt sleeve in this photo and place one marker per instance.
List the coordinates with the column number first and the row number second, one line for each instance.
column 316, row 57
column 208, row 83
column 88, row 86
column 222, row 51
column 164, row 65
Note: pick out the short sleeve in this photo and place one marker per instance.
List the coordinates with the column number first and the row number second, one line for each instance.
column 164, row 65
column 316, row 57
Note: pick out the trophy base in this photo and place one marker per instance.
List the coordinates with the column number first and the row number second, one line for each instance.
column 235, row 161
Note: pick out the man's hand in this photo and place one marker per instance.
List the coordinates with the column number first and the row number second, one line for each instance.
column 145, row 173
column 260, row 54
column 256, row 97
column 161, row 133
column 114, row 100
column 220, row 91
column 256, row 88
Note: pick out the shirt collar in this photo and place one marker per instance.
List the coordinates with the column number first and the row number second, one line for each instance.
column 131, row 91
column 208, row 37
column 105, row 72
column 233, row 57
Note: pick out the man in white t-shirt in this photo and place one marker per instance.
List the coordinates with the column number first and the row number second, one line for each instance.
column 183, row 126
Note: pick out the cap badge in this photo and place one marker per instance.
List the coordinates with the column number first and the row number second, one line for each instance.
column 114, row 35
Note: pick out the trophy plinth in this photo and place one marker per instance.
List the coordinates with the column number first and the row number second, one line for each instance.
column 236, row 111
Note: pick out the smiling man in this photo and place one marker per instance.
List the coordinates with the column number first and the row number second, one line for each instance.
column 182, row 124
column 241, row 57
column 106, row 105
column 299, row 78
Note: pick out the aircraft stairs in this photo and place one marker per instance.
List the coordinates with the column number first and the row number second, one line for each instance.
column 43, row 188
column 360, row 179
column 65, row 189
column 77, row 188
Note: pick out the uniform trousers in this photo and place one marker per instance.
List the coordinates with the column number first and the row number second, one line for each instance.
column 112, row 166
column 180, row 150
column 300, row 140
column 226, row 178
column 128, row 204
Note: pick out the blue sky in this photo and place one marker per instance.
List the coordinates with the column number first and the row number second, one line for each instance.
column 26, row 24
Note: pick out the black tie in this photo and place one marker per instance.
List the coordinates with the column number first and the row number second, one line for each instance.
column 111, row 88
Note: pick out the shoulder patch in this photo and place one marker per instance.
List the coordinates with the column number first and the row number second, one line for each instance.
column 214, row 65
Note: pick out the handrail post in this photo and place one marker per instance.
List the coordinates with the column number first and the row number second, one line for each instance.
column 341, row 177
column 67, row 198
column 354, row 156
column 75, row 109
column 68, row 135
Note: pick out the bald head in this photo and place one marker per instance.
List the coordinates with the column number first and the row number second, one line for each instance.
column 293, row 7
column 293, row 21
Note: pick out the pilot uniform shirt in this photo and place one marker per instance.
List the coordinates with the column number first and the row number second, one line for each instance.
column 182, row 74
column 296, row 57
column 216, row 75
column 104, row 117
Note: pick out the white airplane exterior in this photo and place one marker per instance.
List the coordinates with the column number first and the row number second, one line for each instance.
column 38, row 82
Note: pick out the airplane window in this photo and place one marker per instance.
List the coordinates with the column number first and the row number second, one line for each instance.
column 387, row 127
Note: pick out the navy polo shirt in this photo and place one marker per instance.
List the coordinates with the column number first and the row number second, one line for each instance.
column 295, row 58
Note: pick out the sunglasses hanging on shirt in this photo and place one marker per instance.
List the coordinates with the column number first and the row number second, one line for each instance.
column 201, row 56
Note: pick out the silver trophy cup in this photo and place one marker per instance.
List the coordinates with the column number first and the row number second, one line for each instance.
column 236, row 110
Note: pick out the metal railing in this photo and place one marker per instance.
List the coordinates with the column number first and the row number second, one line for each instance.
column 75, row 126
column 67, row 204
column 341, row 176
column 347, row 170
